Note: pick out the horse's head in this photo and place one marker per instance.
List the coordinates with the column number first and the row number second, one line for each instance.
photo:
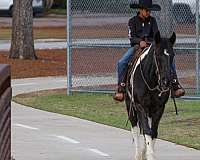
column 164, row 54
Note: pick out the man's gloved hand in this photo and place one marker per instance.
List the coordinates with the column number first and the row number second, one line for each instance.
column 143, row 44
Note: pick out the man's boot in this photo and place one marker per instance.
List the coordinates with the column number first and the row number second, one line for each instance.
column 119, row 95
column 177, row 89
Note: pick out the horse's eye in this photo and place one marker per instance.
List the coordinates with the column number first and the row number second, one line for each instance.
column 166, row 53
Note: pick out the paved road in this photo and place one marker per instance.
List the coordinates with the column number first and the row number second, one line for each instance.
column 39, row 135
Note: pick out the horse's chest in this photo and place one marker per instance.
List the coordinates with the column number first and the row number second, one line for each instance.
column 150, row 102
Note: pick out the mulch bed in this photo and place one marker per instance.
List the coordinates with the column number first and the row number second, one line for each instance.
column 97, row 61
column 85, row 61
column 49, row 63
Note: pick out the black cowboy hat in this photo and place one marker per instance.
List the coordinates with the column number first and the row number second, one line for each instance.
column 145, row 4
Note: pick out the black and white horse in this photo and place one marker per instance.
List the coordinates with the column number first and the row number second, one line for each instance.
column 148, row 88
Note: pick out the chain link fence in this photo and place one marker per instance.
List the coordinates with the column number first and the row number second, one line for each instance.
column 100, row 38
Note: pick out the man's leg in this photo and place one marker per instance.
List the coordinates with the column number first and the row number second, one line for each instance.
column 122, row 66
column 177, row 89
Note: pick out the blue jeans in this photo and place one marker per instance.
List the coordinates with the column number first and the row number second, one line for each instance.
column 173, row 68
column 122, row 65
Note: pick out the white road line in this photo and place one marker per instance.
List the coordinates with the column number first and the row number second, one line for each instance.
column 23, row 84
column 25, row 126
column 68, row 139
column 99, row 152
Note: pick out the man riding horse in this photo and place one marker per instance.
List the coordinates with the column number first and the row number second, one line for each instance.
column 142, row 28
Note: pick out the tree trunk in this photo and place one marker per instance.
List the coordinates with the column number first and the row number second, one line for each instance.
column 22, row 43
column 48, row 3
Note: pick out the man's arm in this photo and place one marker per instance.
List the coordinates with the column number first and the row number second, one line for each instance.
column 134, row 39
column 154, row 29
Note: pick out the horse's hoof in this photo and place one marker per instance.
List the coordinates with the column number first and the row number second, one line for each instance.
column 143, row 154
column 140, row 156
column 150, row 157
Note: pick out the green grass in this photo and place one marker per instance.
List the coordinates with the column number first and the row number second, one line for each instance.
column 5, row 33
column 182, row 129
column 39, row 33
column 57, row 11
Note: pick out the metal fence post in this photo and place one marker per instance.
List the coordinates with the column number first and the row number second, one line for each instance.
column 197, row 47
column 69, row 47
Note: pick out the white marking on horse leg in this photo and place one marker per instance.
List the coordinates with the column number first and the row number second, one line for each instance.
column 136, row 136
column 150, row 121
column 149, row 148
column 166, row 53
column 139, row 152
column 154, row 142
column 136, row 133
column 143, row 152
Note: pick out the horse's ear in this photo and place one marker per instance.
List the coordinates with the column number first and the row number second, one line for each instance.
column 157, row 37
column 173, row 38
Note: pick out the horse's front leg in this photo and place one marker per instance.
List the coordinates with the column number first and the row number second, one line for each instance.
column 156, row 120
column 155, row 123
column 139, row 146
column 135, row 130
column 149, row 143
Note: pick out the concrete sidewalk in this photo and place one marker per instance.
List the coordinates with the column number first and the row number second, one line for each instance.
column 40, row 135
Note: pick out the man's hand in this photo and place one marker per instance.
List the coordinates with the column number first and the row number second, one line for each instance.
column 143, row 44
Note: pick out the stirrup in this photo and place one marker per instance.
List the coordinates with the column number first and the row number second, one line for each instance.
column 119, row 95
column 177, row 90
column 122, row 88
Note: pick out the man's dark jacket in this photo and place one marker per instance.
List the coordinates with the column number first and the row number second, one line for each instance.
column 140, row 29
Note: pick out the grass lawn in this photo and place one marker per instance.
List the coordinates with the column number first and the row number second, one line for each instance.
column 39, row 33
column 5, row 33
column 57, row 11
column 182, row 129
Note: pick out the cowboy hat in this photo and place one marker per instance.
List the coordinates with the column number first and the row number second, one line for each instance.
column 145, row 4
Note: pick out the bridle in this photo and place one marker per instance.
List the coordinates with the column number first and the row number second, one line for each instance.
column 157, row 87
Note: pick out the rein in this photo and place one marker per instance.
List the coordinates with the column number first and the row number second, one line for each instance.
column 158, row 71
